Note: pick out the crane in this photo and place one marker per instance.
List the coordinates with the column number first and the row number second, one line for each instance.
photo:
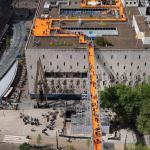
column 41, row 85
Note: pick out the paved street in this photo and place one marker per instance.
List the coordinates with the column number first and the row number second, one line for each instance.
column 15, row 139
column 13, row 130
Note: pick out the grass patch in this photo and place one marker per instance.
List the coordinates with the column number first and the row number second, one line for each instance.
column 100, row 41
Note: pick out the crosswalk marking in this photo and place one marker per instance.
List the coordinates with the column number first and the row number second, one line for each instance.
column 15, row 139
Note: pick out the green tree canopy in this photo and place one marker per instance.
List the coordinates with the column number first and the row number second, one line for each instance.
column 25, row 146
column 130, row 105
column 143, row 119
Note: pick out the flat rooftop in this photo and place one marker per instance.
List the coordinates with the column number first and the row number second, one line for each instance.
column 143, row 26
column 126, row 38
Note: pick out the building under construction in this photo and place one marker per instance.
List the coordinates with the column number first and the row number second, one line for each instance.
column 77, row 47
column 56, row 51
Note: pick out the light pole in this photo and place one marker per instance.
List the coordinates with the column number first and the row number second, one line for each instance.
column 57, row 141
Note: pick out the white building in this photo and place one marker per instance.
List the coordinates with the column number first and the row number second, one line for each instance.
column 142, row 29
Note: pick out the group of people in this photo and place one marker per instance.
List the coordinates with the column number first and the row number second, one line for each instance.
column 29, row 120
column 50, row 117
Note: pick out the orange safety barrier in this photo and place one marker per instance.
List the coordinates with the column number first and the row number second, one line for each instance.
column 43, row 27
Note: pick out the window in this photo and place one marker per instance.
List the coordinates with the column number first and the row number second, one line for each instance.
column 117, row 73
column 103, row 82
column 50, row 63
column 127, row 3
column 84, row 67
column 84, row 56
column 31, row 77
column 125, row 57
column 97, row 67
column 111, row 56
column 97, row 56
column 43, row 56
column 137, row 67
column 70, row 67
column 124, row 67
column 70, row 56
column 84, row 83
column 110, row 77
column 30, row 66
column 131, row 63
column 44, row 66
column 145, row 63
column 57, row 56
column 57, row 67
column 117, row 63
column 144, row 73
column 134, row 2
column 104, row 64
column 139, row 56
column 130, row 73
column 104, row 74
column 130, row 2
column 77, row 63
column 110, row 67
column 64, row 63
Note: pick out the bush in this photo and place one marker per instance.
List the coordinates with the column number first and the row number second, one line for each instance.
column 131, row 105
column 137, row 147
column 71, row 148
column 100, row 41
column 25, row 146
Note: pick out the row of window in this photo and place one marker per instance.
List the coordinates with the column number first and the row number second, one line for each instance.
column 125, row 56
column 131, row 64
column 81, row 10
column 124, row 67
column 84, row 67
column 98, row 57
column 131, row 3
column 79, row 28
column 57, row 56
column 130, row 74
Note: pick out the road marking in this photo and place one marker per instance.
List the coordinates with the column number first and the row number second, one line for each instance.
column 15, row 139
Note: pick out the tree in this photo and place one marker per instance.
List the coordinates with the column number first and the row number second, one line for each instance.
column 71, row 147
column 124, row 101
column 88, row 143
column 7, row 41
column 143, row 119
column 137, row 147
column 39, row 139
column 131, row 105
column 25, row 146
column 100, row 41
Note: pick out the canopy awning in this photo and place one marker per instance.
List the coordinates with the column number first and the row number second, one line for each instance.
column 7, row 80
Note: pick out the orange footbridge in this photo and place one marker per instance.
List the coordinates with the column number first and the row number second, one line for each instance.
column 97, row 135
